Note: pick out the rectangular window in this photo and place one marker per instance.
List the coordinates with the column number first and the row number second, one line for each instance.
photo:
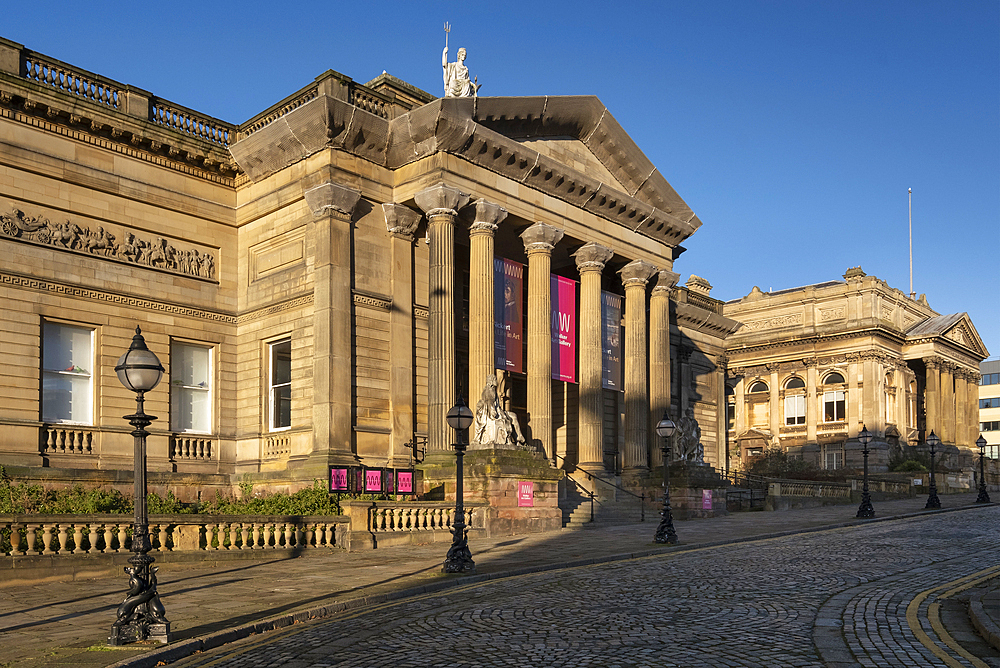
column 190, row 388
column 795, row 409
column 67, row 365
column 991, row 402
column 834, row 405
column 834, row 459
column 993, row 425
column 990, row 379
column 731, row 415
column 280, row 383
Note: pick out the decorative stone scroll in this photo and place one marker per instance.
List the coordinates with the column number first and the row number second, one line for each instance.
column 131, row 249
column 774, row 323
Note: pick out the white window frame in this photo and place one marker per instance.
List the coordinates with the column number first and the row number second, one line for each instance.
column 275, row 389
column 831, row 396
column 80, row 379
column 795, row 409
column 179, row 390
column 838, row 459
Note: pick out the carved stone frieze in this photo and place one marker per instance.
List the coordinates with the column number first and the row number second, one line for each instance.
column 828, row 314
column 775, row 322
column 105, row 243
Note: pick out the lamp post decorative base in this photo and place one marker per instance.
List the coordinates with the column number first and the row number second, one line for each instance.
column 984, row 496
column 665, row 534
column 932, row 500
column 141, row 615
column 459, row 559
column 865, row 510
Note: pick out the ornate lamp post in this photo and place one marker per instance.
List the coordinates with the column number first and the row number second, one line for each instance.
column 984, row 496
column 865, row 510
column 459, row 559
column 665, row 532
column 141, row 615
column 932, row 498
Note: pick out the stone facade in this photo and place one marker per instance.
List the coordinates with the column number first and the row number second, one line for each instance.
column 812, row 366
column 317, row 279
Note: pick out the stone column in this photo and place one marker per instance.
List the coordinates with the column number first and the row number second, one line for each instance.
column 947, row 432
column 401, row 223
column 441, row 204
column 774, row 410
column 932, row 397
column 590, row 261
column 961, row 411
column 482, row 358
column 635, row 275
column 332, row 208
column 659, row 359
column 972, row 382
column 539, row 240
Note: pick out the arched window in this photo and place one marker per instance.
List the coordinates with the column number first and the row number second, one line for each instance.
column 758, row 386
column 834, row 401
column 795, row 401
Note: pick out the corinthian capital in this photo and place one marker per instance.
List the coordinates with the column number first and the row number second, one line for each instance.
column 400, row 220
column 637, row 273
column 666, row 280
column 592, row 257
column 441, row 199
column 541, row 238
column 330, row 198
column 488, row 216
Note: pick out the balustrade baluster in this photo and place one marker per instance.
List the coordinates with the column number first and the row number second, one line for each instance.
column 47, row 538
column 310, row 534
column 15, row 539
column 77, row 539
column 288, row 535
column 164, row 536
column 93, row 538
column 300, row 536
column 258, row 543
column 31, row 538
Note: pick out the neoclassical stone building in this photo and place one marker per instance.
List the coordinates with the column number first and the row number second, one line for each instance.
column 811, row 366
column 320, row 280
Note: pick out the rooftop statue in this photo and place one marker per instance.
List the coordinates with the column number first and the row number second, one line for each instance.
column 456, row 75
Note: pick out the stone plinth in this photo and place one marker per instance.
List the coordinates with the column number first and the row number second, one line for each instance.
column 492, row 475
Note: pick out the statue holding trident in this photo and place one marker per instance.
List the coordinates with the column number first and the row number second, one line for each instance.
column 456, row 75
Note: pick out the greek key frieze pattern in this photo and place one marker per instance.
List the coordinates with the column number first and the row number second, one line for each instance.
column 373, row 302
column 71, row 237
column 290, row 305
column 110, row 298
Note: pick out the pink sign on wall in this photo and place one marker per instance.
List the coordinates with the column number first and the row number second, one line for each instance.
column 563, row 292
column 706, row 499
column 525, row 494
column 373, row 480
column 404, row 482
column 338, row 479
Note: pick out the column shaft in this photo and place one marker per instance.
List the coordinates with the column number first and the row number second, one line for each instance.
column 932, row 399
column 482, row 316
column 635, row 275
column 590, row 260
column 659, row 358
column 539, row 240
column 947, row 433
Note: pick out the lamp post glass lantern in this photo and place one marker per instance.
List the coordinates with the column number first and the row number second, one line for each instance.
column 932, row 498
column 984, row 496
column 141, row 615
column 459, row 559
column 665, row 533
column 865, row 510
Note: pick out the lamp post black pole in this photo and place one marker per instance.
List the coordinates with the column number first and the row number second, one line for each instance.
column 932, row 498
column 459, row 559
column 141, row 615
column 865, row 510
column 984, row 496
column 665, row 531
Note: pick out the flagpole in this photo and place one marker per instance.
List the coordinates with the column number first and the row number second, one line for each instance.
column 912, row 293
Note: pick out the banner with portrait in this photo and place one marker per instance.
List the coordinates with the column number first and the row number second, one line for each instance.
column 508, row 338
column 611, row 341
column 563, row 295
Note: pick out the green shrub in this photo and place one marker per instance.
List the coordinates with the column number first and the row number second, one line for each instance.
column 909, row 466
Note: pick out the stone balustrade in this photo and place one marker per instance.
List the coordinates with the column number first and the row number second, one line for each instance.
column 383, row 523
column 63, row 77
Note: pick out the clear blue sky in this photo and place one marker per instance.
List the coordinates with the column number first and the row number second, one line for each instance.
column 792, row 128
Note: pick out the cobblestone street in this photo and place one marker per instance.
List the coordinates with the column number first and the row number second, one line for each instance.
column 870, row 595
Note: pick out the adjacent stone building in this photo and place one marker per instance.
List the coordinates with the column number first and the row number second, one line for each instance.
column 812, row 366
column 320, row 281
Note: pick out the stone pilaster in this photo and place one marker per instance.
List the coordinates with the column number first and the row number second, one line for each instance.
column 635, row 275
column 401, row 222
column 774, row 411
column 482, row 315
column 932, row 397
column 332, row 207
column 539, row 240
column 441, row 204
column 659, row 358
column 812, row 403
column 590, row 261
column 961, row 413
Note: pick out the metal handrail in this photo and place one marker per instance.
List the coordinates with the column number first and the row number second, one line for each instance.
column 593, row 475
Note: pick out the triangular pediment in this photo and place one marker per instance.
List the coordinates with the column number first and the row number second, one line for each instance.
column 575, row 154
column 956, row 328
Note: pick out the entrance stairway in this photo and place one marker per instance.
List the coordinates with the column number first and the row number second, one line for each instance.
column 610, row 504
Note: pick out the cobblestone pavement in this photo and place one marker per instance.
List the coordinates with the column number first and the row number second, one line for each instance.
column 870, row 595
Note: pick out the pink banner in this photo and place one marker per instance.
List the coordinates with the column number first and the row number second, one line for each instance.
column 404, row 482
column 338, row 479
column 706, row 499
column 373, row 480
column 508, row 289
column 563, row 291
column 525, row 494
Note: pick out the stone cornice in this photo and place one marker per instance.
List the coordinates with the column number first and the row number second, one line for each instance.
column 697, row 318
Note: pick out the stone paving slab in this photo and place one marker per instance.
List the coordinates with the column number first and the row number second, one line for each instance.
column 68, row 623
